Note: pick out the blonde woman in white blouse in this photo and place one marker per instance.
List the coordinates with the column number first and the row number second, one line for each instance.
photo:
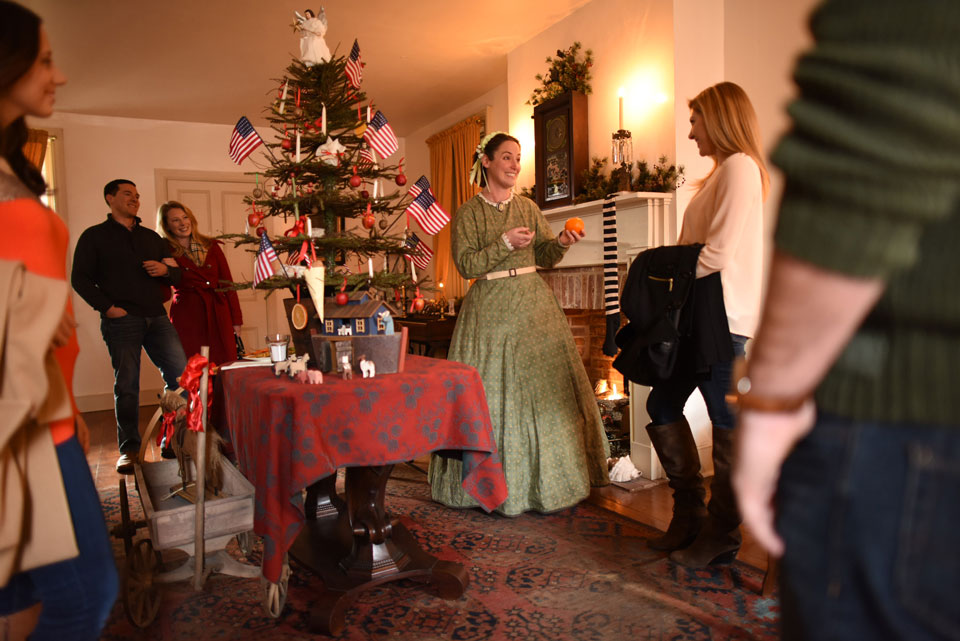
column 726, row 215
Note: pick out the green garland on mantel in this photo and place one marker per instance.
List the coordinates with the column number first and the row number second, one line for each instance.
column 567, row 72
column 662, row 177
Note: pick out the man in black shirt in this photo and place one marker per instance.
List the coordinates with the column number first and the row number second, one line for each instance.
column 118, row 269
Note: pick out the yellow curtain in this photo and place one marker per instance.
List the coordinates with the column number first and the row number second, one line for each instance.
column 36, row 146
column 451, row 156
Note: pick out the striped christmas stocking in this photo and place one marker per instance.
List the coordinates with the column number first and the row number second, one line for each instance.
column 611, row 282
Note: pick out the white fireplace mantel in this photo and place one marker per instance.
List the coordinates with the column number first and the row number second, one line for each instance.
column 644, row 219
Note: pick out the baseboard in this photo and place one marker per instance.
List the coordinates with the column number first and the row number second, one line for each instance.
column 100, row 402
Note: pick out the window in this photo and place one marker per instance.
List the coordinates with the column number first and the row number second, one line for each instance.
column 381, row 326
column 51, row 169
column 361, row 326
column 329, row 326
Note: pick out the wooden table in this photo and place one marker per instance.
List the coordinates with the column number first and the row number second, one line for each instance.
column 428, row 335
column 289, row 436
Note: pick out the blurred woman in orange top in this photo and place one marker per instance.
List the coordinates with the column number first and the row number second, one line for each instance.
column 77, row 593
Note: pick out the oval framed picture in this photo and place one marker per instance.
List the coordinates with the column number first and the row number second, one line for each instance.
column 299, row 316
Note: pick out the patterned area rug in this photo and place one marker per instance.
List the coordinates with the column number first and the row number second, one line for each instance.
column 583, row 574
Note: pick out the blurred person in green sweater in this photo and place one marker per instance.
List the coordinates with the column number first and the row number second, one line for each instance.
column 849, row 424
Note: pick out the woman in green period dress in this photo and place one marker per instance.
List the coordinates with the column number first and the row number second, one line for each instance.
column 511, row 328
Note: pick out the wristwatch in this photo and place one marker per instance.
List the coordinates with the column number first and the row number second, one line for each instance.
column 747, row 400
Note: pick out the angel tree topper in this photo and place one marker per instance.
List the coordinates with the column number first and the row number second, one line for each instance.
column 313, row 48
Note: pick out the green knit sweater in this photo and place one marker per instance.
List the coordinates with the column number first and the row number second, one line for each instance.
column 873, row 189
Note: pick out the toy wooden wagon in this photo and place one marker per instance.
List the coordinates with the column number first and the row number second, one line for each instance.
column 184, row 516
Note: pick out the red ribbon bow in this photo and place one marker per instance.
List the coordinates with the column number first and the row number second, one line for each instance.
column 168, row 427
column 190, row 381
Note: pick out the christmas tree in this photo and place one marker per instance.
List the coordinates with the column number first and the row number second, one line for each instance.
column 329, row 163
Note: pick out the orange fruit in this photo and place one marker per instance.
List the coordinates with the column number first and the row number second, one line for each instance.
column 574, row 224
column 298, row 316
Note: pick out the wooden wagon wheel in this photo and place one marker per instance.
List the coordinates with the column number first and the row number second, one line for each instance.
column 275, row 594
column 141, row 596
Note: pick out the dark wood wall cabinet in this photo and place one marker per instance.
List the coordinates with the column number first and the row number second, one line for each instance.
column 562, row 149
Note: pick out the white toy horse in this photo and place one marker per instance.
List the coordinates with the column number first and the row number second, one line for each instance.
column 368, row 367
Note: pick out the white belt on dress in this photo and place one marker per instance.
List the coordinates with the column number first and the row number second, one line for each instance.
column 508, row 272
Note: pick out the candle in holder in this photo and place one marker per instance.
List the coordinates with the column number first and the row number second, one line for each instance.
column 620, row 97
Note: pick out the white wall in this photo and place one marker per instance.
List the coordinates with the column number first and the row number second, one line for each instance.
column 632, row 43
column 95, row 151
column 698, row 63
column 761, row 44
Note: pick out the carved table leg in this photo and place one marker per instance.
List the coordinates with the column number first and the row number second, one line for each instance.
column 322, row 501
column 363, row 548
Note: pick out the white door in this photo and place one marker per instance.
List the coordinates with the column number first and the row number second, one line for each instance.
column 216, row 199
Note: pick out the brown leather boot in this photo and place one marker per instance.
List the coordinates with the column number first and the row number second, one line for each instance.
column 678, row 455
column 719, row 539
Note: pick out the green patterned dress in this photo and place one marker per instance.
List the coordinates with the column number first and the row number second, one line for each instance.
column 544, row 413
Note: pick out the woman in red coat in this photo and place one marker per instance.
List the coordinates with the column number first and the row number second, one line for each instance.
column 201, row 314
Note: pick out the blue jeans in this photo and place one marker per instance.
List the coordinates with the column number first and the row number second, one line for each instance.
column 666, row 400
column 77, row 594
column 125, row 336
column 870, row 514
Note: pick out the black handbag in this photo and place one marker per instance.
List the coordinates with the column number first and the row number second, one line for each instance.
column 241, row 350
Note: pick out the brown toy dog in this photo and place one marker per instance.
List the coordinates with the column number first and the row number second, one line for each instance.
column 185, row 443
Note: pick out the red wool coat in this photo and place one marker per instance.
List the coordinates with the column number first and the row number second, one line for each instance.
column 202, row 315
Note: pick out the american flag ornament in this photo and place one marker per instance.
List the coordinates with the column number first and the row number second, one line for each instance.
column 263, row 268
column 425, row 209
column 244, row 140
column 421, row 251
column 354, row 68
column 379, row 135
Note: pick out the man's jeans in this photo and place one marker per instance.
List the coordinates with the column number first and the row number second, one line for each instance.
column 666, row 401
column 870, row 514
column 125, row 336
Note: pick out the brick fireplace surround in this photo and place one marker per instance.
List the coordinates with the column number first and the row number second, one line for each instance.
column 580, row 293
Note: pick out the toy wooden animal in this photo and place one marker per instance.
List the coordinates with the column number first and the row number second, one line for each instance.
column 310, row 376
column 297, row 364
column 185, row 442
column 368, row 368
column 347, row 368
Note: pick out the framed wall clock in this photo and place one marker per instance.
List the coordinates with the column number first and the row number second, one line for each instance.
column 562, row 154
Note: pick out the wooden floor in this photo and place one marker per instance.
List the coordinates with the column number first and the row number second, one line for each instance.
column 651, row 506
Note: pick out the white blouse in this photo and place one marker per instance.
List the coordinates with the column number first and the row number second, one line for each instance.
column 726, row 214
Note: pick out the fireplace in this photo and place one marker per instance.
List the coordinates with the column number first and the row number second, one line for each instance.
column 643, row 220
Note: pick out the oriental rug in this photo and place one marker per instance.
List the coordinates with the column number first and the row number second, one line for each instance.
column 582, row 574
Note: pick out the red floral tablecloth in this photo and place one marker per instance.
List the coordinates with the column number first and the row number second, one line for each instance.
column 289, row 435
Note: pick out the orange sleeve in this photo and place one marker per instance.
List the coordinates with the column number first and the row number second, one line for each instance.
column 41, row 245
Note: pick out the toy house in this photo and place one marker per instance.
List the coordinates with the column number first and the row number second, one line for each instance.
column 361, row 316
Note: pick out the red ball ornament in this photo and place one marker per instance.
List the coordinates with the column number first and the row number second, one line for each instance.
column 364, row 194
column 418, row 304
column 401, row 180
column 369, row 221
column 355, row 180
column 342, row 298
column 286, row 144
column 254, row 218
column 261, row 231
